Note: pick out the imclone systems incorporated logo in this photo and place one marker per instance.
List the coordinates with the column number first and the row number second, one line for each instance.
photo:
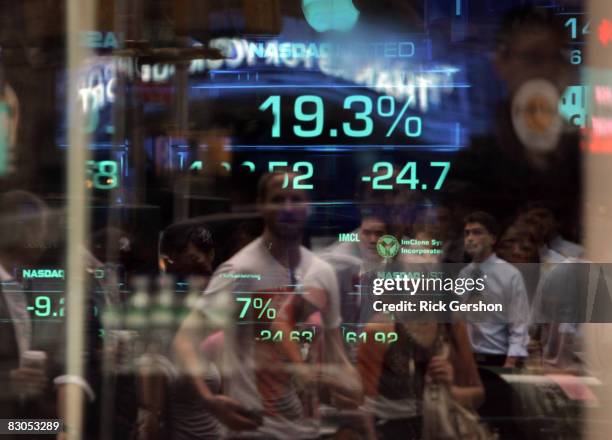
column 388, row 246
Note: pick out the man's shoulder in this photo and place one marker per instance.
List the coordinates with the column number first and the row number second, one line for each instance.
column 343, row 248
column 249, row 255
column 314, row 260
column 501, row 263
column 506, row 268
column 316, row 266
column 465, row 270
column 340, row 259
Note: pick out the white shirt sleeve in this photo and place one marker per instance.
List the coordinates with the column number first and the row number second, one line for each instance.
column 77, row 380
column 217, row 303
column 518, row 316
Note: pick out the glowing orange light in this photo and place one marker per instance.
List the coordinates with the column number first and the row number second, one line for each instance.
column 604, row 31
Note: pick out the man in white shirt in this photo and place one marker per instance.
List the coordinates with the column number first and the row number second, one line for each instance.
column 262, row 359
column 497, row 338
column 351, row 260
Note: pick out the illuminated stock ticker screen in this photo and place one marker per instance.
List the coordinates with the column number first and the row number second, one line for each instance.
column 310, row 194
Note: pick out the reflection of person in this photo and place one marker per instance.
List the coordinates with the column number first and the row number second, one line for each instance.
column 26, row 362
column 21, row 240
column 168, row 401
column 559, row 304
column 421, row 250
column 439, row 220
column 499, row 171
column 259, row 394
column 541, row 232
column 373, row 226
column 189, row 418
column 530, row 44
column 351, row 260
column 501, row 339
column 187, row 249
column 553, row 247
column 9, row 121
column 519, row 246
column 398, row 358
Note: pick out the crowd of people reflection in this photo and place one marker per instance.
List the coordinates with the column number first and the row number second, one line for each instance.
column 252, row 327
column 285, row 341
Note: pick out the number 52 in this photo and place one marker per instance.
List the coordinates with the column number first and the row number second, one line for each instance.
column 297, row 181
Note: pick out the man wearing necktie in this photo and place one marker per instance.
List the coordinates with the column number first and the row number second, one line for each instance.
column 498, row 338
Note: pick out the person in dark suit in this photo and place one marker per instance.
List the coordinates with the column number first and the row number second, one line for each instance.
column 24, row 372
column 32, row 349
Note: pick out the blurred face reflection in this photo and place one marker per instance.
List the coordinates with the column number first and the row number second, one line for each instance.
column 24, row 231
column 544, row 220
column 369, row 233
column 478, row 242
column 284, row 210
column 193, row 261
column 517, row 247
